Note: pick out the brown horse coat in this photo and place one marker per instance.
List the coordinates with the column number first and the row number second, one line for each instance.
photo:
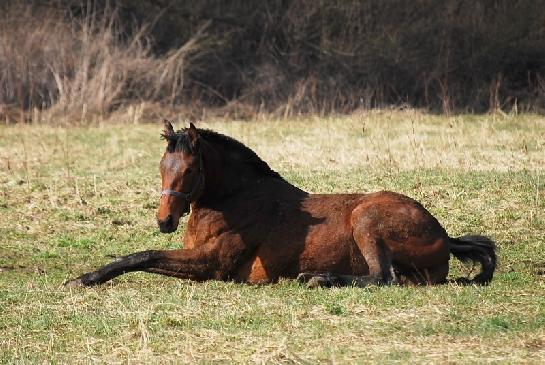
column 249, row 225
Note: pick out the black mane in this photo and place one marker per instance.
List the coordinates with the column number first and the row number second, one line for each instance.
column 179, row 141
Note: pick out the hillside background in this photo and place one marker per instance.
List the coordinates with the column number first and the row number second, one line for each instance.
column 286, row 57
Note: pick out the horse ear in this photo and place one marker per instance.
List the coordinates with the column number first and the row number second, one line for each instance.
column 193, row 134
column 168, row 130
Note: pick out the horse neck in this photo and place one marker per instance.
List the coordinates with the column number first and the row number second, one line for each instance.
column 225, row 174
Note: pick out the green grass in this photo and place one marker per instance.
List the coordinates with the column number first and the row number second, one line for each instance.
column 72, row 197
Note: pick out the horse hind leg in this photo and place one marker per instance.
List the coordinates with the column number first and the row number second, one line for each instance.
column 378, row 257
column 379, row 261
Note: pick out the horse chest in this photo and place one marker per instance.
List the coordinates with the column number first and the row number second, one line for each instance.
column 203, row 228
column 218, row 227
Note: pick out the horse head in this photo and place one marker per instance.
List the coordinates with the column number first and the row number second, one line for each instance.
column 182, row 175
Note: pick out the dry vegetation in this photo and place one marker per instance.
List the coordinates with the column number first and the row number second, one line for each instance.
column 74, row 61
column 73, row 196
column 61, row 68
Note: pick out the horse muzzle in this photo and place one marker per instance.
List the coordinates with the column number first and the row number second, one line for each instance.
column 167, row 225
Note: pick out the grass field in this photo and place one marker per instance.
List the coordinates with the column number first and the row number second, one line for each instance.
column 73, row 196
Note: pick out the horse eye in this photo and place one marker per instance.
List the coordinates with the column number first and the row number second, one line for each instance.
column 189, row 170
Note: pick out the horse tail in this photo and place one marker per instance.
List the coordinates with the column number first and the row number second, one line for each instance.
column 475, row 249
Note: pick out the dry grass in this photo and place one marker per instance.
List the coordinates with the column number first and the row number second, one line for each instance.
column 62, row 69
column 400, row 141
column 70, row 197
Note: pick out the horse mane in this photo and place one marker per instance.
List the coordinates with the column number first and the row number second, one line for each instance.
column 179, row 141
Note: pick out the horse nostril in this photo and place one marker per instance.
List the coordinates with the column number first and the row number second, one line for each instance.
column 166, row 225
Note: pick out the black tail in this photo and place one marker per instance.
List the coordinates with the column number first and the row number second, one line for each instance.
column 479, row 249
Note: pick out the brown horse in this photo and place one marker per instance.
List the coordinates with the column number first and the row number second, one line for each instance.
column 248, row 224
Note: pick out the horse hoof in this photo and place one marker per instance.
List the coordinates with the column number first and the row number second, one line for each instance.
column 318, row 282
column 74, row 283
column 304, row 277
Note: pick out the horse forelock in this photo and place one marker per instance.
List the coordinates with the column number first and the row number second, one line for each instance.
column 178, row 142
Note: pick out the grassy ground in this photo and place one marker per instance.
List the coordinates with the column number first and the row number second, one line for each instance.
column 71, row 197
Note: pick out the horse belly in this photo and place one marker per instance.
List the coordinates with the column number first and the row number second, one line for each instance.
column 340, row 258
column 322, row 251
column 331, row 248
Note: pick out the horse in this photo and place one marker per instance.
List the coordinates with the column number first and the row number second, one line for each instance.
column 247, row 224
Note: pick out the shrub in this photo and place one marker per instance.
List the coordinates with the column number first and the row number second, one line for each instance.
column 279, row 56
column 88, row 64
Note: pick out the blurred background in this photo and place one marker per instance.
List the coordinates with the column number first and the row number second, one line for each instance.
column 138, row 59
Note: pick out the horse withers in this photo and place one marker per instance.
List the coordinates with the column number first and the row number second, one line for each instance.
column 248, row 224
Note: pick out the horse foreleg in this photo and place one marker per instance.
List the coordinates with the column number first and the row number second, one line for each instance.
column 327, row 280
column 187, row 264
